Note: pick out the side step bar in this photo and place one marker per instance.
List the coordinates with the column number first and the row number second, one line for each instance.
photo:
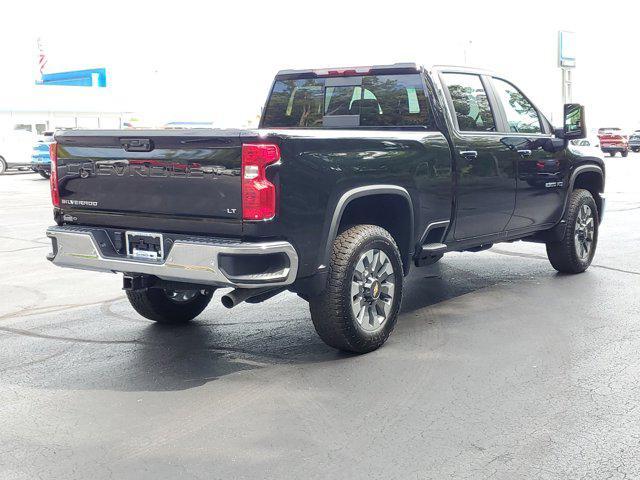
column 430, row 253
column 433, row 249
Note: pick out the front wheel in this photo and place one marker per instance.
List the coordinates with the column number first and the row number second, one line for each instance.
column 44, row 174
column 359, row 308
column 3, row 166
column 574, row 252
column 636, row 150
column 169, row 306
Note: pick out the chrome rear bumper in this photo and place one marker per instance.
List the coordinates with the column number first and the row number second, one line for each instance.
column 191, row 260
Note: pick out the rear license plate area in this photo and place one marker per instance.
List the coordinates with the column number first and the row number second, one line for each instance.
column 145, row 245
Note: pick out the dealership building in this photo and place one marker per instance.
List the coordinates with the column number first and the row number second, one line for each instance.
column 78, row 99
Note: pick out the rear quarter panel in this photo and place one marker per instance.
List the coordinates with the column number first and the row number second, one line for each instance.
column 319, row 166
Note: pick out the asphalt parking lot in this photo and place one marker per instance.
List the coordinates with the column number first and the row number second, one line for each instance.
column 499, row 368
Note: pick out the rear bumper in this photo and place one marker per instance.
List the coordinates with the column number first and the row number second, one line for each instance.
column 40, row 167
column 199, row 260
column 613, row 148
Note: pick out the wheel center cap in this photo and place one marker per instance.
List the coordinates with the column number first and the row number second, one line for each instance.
column 374, row 290
column 581, row 232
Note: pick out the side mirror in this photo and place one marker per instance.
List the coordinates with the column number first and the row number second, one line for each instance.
column 574, row 122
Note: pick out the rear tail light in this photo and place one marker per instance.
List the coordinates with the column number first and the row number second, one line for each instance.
column 258, row 193
column 53, row 179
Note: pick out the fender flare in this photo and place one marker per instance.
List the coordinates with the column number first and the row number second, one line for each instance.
column 592, row 167
column 359, row 192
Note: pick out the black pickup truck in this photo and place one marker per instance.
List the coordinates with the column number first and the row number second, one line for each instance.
column 353, row 176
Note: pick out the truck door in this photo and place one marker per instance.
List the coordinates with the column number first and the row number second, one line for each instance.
column 485, row 167
column 540, row 173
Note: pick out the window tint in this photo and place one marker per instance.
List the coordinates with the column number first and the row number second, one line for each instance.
column 390, row 100
column 339, row 100
column 381, row 100
column 295, row 103
column 521, row 116
column 470, row 102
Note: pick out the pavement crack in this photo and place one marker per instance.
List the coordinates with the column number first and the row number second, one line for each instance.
column 29, row 312
column 29, row 333
column 540, row 257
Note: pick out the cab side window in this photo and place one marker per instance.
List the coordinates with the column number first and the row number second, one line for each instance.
column 470, row 102
column 522, row 117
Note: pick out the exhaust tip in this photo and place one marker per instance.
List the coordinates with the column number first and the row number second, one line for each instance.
column 239, row 295
column 227, row 301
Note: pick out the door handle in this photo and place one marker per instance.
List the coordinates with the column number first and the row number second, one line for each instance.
column 469, row 154
column 524, row 153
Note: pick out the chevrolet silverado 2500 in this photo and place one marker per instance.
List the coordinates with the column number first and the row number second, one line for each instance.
column 353, row 177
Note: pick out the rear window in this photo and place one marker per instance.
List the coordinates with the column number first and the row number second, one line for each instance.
column 367, row 101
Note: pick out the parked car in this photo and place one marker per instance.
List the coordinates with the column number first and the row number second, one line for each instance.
column 353, row 176
column 15, row 150
column 586, row 142
column 634, row 141
column 613, row 140
column 588, row 145
column 40, row 158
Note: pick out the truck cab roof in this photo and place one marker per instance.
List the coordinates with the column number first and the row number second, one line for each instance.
column 393, row 68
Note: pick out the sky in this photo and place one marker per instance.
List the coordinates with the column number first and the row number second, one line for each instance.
column 196, row 60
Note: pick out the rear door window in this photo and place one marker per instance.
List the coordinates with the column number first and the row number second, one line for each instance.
column 373, row 101
column 470, row 102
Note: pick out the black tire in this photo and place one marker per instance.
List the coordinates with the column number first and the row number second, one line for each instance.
column 162, row 305
column 612, row 154
column 636, row 150
column 332, row 312
column 44, row 174
column 563, row 255
column 3, row 166
column 624, row 153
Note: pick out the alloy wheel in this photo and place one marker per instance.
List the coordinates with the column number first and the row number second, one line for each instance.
column 372, row 289
column 584, row 232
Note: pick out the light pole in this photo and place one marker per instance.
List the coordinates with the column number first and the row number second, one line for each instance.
column 567, row 62
column 468, row 43
column 567, row 86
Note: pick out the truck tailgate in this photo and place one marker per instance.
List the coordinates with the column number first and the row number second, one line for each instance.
column 611, row 139
column 181, row 173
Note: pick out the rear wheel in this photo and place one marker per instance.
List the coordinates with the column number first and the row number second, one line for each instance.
column 625, row 153
column 3, row 166
column 169, row 306
column 612, row 154
column 359, row 308
column 574, row 253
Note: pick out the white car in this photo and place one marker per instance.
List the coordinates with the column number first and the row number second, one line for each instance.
column 15, row 149
column 589, row 145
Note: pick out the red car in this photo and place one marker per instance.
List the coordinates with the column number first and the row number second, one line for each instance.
column 612, row 140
